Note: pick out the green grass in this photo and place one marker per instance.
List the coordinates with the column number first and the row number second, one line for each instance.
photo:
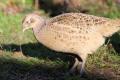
column 40, row 61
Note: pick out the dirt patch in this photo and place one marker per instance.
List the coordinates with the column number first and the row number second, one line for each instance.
column 110, row 74
column 18, row 55
column 1, row 53
column 1, row 78
column 104, row 74
column 37, row 73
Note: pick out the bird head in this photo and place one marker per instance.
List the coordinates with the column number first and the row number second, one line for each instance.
column 31, row 21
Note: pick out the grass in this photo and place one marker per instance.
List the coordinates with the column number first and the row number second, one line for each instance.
column 36, row 61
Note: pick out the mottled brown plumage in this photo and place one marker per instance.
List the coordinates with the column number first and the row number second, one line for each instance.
column 76, row 33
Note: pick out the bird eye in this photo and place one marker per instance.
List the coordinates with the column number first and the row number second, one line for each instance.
column 28, row 22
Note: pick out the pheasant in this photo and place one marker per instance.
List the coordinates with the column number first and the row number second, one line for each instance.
column 76, row 33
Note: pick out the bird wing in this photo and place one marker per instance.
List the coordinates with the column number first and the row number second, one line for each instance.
column 78, row 22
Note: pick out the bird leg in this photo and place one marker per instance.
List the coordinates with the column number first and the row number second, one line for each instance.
column 82, row 68
column 78, row 63
column 74, row 66
column 79, row 66
column 83, row 57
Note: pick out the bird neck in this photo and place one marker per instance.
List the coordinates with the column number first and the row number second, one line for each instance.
column 39, row 26
column 39, row 31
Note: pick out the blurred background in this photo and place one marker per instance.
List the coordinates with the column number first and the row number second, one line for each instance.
column 23, row 58
column 108, row 8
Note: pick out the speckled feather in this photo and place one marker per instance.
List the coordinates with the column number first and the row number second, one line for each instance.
column 79, row 23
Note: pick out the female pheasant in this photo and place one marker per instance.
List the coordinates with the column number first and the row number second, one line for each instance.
column 76, row 33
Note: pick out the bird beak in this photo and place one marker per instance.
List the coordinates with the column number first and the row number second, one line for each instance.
column 23, row 30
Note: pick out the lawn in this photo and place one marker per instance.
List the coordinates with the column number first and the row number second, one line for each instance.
column 23, row 58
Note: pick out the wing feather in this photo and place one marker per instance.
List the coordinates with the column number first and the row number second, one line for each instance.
column 77, row 22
